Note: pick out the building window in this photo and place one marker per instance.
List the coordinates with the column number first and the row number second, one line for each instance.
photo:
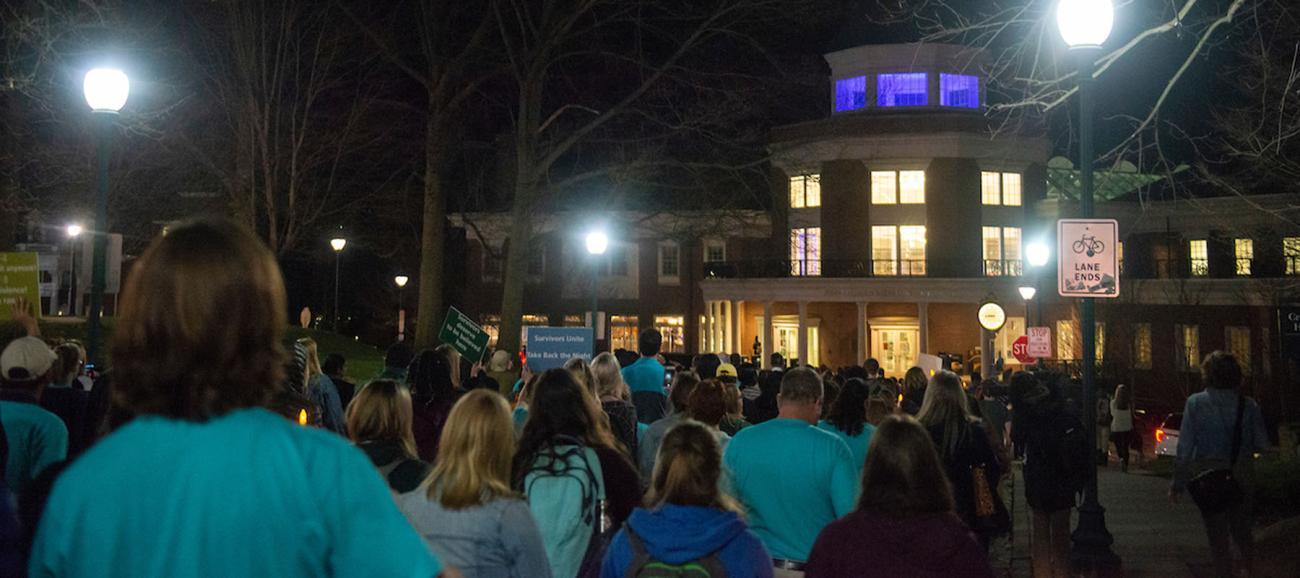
column 805, row 191
column 850, row 93
column 959, row 90
column 673, row 330
column 669, row 263
column 493, row 264
column 537, row 263
column 1002, row 251
column 1065, row 343
column 1142, row 345
column 898, row 250
column 616, row 260
column 1119, row 255
column 1000, row 188
column 806, row 251
column 1100, row 343
column 894, row 187
column 1199, row 256
column 715, row 251
column 1238, row 339
column 902, row 89
column 1187, row 347
column 1244, row 249
column 623, row 332
column 1291, row 252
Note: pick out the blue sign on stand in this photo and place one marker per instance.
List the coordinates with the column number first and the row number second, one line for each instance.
column 550, row 347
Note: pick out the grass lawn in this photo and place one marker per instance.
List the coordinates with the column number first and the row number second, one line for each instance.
column 364, row 361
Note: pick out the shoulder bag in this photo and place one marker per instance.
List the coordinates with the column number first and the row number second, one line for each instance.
column 1217, row 490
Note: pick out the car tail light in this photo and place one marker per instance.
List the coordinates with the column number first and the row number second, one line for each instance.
column 1160, row 435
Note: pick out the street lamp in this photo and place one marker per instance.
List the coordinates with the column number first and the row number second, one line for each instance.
column 106, row 90
column 1084, row 26
column 597, row 242
column 401, row 281
column 1038, row 254
column 337, row 243
column 1027, row 293
column 74, row 230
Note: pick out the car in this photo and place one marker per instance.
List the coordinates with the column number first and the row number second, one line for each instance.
column 1167, row 435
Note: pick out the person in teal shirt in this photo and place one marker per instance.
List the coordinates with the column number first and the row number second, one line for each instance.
column 203, row 481
column 792, row 477
column 848, row 420
column 646, row 378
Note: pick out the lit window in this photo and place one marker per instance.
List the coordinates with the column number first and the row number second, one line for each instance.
column 1198, row 254
column 991, row 188
column 913, row 254
column 1142, row 345
column 805, row 191
column 1245, row 252
column 1291, row 251
column 1187, row 347
column 884, row 187
column 623, row 332
column 903, row 89
column 1238, row 339
column 715, row 251
column 1011, row 189
column 992, row 251
column 1119, row 255
column 1100, row 341
column 805, row 251
column 669, row 263
column 1002, row 251
column 673, row 330
column 959, row 90
column 911, row 187
column 1065, row 340
column 850, row 93
column 1011, row 250
column 884, row 250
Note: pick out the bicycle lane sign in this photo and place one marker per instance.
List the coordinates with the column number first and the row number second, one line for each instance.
column 1087, row 262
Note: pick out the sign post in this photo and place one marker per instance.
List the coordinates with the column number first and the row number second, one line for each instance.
column 463, row 335
column 1087, row 262
column 19, row 279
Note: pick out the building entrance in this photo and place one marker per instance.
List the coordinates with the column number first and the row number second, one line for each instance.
column 895, row 344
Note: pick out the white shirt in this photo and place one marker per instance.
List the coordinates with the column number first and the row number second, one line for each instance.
column 1121, row 420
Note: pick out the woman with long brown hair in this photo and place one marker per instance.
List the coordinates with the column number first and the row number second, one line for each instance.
column 687, row 518
column 379, row 422
column 904, row 524
column 203, row 481
column 466, row 510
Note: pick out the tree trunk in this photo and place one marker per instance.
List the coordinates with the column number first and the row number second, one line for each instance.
column 9, row 172
column 432, row 238
column 521, row 225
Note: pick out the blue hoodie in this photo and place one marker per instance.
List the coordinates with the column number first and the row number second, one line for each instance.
column 679, row 534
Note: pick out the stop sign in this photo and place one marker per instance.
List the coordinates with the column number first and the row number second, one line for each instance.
column 1020, row 349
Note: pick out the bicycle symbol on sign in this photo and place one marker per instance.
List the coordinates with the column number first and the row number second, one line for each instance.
column 1089, row 244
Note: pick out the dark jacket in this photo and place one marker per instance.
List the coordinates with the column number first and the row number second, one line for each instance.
column 622, row 484
column 865, row 544
column 72, row 405
column 622, row 419
column 677, row 535
column 1041, row 434
column 428, row 417
column 651, row 406
column 403, row 473
column 972, row 449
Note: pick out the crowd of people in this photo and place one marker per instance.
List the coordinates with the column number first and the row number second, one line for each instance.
column 214, row 447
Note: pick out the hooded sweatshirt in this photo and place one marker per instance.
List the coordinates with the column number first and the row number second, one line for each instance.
column 865, row 544
column 676, row 535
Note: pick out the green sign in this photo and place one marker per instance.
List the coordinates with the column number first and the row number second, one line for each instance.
column 463, row 335
column 18, row 279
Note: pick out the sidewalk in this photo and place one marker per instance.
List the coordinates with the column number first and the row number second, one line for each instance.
column 1152, row 537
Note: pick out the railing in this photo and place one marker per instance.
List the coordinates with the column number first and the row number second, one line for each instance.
column 1003, row 267
column 1244, row 266
column 1292, row 264
column 1200, row 267
column 835, row 268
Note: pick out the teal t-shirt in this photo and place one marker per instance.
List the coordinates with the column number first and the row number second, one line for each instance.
column 645, row 374
column 793, row 479
column 858, row 444
column 246, row 494
column 37, row 438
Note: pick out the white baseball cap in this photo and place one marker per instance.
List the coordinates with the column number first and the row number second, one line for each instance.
column 26, row 359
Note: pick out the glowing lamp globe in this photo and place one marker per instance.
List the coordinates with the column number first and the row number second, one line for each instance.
column 1084, row 23
column 1037, row 253
column 1027, row 293
column 106, row 89
column 597, row 242
column 338, row 244
column 401, row 280
column 74, row 231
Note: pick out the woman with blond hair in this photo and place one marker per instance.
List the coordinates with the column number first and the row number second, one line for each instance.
column 379, row 422
column 232, row 489
column 615, row 400
column 904, row 524
column 465, row 509
column 687, row 518
column 321, row 389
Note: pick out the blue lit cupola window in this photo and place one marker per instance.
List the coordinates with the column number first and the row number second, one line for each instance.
column 902, row 89
column 850, row 93
column 959, row 90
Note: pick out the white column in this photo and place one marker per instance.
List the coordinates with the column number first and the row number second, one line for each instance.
column 862, row 334
column 923, row 322
column 768, row 346
column 737, row 346
column 803, row 333
column 707, row 330
column 727, row 345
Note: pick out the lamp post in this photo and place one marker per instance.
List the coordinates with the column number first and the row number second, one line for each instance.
column 74, row 231
column 597, row 242
column 401, row 281
column 1037, row 253
column 1084, row 26
column 337, row 243
column 106, row 90
column 1027, row 293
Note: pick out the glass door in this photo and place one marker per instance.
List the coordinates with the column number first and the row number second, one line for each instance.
column 895, row 347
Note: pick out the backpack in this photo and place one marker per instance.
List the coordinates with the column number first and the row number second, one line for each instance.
column 1076, row 455
column 553, row 475
column 644, row 565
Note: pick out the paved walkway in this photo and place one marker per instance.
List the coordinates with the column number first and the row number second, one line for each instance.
column 1152, row 537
